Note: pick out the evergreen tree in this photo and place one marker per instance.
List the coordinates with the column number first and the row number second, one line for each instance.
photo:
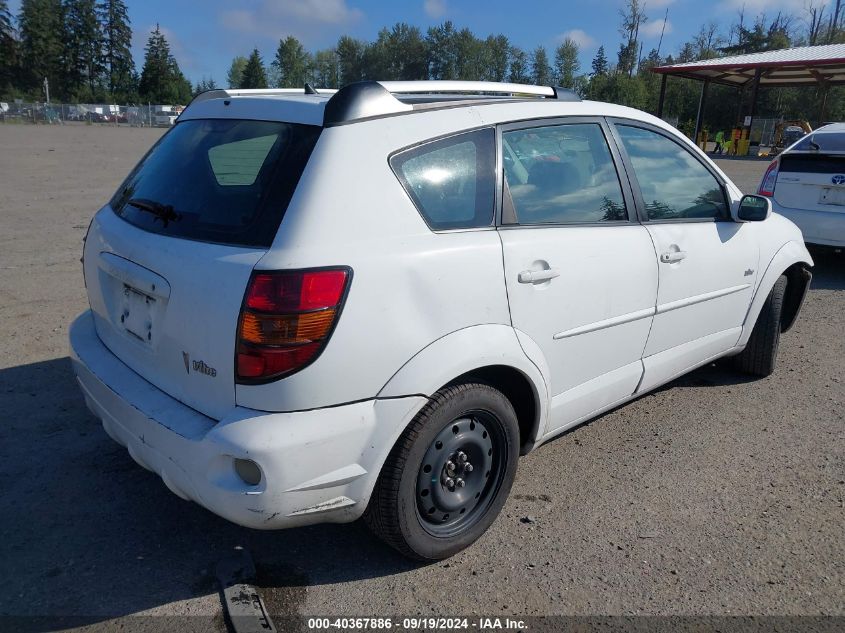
column 292, row 62
column 161, row 80
column 205, row 84
column 6, row 28
column 82, row 46
column 498, row 48
column 599, row 64
column 324, row 71
column 471, row 56
column 254, row 75
column 119, row 67
column 8, row 51
column 350, row 60
column 401, row 53
column 541, row 73
column 442, row 51
column 566, row 63
column 236, row 72
column 40, row 28
column 519, row 67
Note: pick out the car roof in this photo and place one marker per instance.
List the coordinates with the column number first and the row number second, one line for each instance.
column 830, row 128
column 369, row 100
column 831, row 146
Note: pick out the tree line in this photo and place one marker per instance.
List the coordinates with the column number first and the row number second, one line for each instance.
column 405, row 52
column 83, row 50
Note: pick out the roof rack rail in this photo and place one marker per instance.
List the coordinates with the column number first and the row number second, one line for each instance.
column 364, row 99
column 223, row 93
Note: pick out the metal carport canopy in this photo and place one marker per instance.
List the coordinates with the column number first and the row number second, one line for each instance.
column 802, row 66
column 820, row 66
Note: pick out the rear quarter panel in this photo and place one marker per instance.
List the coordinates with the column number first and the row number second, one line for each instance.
column 410, row 286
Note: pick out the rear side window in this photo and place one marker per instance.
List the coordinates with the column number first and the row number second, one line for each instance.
column 452, row 180
column 218, row 180
column 674, row 185
column 562, row 174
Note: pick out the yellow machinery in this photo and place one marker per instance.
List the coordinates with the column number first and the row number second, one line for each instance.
column 785, row 137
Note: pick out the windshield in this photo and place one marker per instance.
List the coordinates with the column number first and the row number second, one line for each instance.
column 218, row 180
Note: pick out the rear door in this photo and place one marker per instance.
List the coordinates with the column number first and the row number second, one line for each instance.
column 707, row 263
column 580, row 271
column 168, row 260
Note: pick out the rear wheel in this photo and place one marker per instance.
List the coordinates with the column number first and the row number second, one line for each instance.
column 759, row 356
column 448, row 475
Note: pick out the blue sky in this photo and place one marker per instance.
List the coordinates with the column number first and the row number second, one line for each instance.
column 206, row 35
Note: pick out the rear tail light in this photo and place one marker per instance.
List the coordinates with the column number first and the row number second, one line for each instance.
column 767, row 186
column 286, row 320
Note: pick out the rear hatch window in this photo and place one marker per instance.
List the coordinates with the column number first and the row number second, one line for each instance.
column 218, row 180
column 812, row 163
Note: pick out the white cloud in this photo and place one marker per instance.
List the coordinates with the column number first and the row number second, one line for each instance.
column 653, row 28
column 434, row 8
column 580, row 37
column 757, row 6
column 276, row 18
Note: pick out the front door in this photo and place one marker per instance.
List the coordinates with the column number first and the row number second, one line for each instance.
column 581, row 276
column 707, row 263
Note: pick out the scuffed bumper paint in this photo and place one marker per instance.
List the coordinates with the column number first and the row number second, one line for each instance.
column 317, row 466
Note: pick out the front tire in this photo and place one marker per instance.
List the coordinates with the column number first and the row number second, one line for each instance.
column 760, row 355
column 448, row 475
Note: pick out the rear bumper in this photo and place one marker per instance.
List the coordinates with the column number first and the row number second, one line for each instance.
column 317, row 466
column 819, row 227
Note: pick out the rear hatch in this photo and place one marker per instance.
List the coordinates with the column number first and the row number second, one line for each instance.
column 813, row 177
column 167, row 261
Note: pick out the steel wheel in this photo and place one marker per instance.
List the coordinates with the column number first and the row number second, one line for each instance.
column 459, row 474
column 449, row 473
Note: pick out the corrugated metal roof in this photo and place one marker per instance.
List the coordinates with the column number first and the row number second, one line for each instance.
column 803, row 65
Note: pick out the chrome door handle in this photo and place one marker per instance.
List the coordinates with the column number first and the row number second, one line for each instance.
column 672, row 257
column 538, row 276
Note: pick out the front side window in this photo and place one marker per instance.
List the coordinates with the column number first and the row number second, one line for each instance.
column 562, row 174
column 451, row 181
column 674, row 184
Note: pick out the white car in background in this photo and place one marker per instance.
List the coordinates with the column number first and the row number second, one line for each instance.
column 165, row 116
column 806, row 183
column 315, row 307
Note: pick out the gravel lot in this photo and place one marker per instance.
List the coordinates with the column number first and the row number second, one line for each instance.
column 715, row 495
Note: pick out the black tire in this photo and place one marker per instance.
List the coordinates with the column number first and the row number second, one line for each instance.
column 759, row 356
column 478, row 424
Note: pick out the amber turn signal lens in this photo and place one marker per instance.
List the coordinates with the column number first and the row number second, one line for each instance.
column 290, row 329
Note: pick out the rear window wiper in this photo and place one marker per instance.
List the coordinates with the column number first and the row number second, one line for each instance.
column 164, row 212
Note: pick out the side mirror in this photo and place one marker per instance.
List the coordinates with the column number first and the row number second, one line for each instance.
column 754, row 209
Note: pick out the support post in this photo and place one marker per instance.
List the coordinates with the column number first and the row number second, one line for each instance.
column 823, row 89
column 754, row 88
column 702, row 101
column 663, row 79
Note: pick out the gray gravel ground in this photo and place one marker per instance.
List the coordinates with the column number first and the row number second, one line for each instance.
column 716, row 495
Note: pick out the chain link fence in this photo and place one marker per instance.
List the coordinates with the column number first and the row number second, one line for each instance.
column 148, row 115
